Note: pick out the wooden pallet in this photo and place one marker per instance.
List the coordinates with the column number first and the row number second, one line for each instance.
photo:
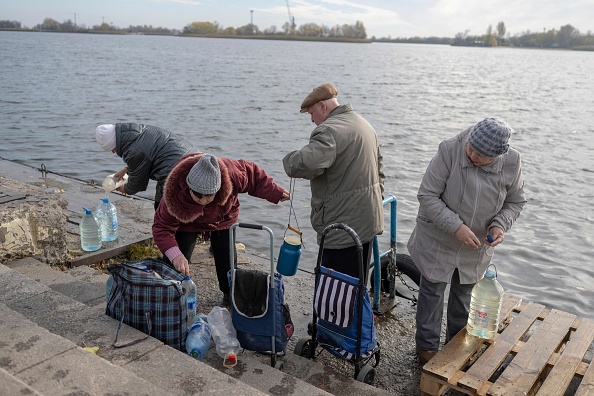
column 538, row 352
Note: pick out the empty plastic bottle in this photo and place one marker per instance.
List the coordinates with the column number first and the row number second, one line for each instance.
column 110, row 183
column 198, row 339
column 224, row 335
column 107, row 216
column 189, row 290
column 90, row 232
column 485, row 306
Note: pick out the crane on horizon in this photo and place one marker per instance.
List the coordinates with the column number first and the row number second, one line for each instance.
column 291, row 18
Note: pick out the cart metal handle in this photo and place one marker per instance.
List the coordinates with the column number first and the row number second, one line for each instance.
column 254, row 227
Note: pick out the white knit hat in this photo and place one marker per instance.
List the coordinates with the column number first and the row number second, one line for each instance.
column 205, row 175
column 106, row 136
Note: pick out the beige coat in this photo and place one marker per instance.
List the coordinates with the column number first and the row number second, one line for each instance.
column 344, row 163
column 454, row 191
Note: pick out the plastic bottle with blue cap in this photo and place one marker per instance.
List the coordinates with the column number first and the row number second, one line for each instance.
column 90, row 232
column 190, row 291
column 198, row 338
column 107, row 216
column 485, row 306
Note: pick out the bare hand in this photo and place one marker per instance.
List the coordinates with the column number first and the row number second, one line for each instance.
column 119, row 175
column 286, row 196
column 181, row 264
column 122, row 190
column 497, row 234
column 467, row 237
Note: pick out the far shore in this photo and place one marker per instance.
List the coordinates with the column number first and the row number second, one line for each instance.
column 292, row 38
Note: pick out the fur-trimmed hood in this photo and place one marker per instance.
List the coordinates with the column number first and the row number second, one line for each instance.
column 177, row 193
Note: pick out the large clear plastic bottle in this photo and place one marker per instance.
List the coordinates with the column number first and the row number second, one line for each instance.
column 90, row 232
column 189, row 290
column 107, row 216
column 224, row 335
column 110, row 183
column 198, row 339
column 485, row 306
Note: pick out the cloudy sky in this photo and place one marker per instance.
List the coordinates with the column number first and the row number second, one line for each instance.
column 382, row 18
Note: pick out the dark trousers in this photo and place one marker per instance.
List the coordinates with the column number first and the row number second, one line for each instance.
column 219, row 241
column 430, row 307
column 347, row 261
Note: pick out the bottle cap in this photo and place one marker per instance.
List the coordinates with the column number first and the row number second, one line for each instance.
column 196, row 354
column 88, row 211
column 230, row 360
column 490, row 274
column 105, row 200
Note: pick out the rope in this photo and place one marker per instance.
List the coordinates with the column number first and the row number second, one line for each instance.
column 292, row 209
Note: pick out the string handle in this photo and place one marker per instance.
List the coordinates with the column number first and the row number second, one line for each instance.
column 292, row 212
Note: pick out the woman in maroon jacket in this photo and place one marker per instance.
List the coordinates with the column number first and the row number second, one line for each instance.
column 201, row 197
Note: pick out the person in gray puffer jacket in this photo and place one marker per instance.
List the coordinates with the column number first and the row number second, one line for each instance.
column 148, row 151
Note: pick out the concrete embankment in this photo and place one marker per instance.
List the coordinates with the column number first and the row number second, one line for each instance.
column 56, row 314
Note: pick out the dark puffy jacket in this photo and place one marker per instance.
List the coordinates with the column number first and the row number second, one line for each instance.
column 150, row 153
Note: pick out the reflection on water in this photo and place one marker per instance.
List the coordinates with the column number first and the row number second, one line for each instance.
column 241, row 98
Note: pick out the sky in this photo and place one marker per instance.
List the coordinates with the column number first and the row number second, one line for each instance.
column 381, row 18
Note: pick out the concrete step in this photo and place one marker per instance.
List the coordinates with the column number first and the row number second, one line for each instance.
column 12, row 385
column 253, row 368
column 57, row 326
column 37, row 360
column 87, row 324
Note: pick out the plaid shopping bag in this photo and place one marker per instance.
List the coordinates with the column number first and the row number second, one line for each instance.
column 147, row 295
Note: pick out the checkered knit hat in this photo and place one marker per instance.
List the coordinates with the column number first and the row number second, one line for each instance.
column 489, row 137
column 205, row 175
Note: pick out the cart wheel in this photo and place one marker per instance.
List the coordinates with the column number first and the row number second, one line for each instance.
column 366, row 375
column 278, row 365
column 302, row 346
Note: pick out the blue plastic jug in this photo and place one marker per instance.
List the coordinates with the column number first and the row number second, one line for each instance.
column 288, row 258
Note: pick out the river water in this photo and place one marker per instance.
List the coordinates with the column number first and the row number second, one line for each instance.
column 241, row 98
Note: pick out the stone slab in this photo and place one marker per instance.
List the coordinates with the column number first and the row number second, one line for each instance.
column 59, row 281
column 82, row 373
column 24, row 344
column 84, row 325
column 14, row 386
column 190, row 375
column 263, row 376
column 88, row 274
column 15, row 286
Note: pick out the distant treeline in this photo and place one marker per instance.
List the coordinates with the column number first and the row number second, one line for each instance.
column 356, row 31
column 566, row 37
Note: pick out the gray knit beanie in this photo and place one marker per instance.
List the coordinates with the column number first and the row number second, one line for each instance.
column 489, row 137
column 205, row 175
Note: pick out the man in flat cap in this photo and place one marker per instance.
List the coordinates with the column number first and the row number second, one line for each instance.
column 344, row 165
